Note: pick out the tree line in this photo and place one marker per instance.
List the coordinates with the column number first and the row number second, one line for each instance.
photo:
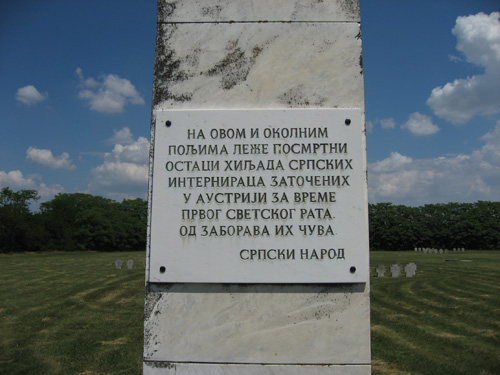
column 70, row 222
column 80, row 221
column 452, row 225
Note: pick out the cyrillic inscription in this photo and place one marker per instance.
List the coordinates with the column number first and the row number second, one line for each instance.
column 247, row 196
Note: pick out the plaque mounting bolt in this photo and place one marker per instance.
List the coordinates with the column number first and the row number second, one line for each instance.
column 352, row 270
column 348, row 121
column 162, row 269
column 168, row 123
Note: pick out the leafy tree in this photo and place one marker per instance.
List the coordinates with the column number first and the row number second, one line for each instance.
column 16, row 220
column 451, row 225
column 134, row 223
column 86, row 222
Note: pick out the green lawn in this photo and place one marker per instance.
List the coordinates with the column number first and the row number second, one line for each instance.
column 74, row 313
column 71, row 313
column 445, row 320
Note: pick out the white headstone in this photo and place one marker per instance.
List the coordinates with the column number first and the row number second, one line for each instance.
column 380, row 270
column 396, row 270
column 130, row 264
column 410, row 269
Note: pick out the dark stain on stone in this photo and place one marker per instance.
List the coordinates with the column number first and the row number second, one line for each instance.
column 193, row 59
column 350, row 7
column 160, row 364
column 165, row 9
column 212, row 11
column 361, row 63
column 256, row 51
column 167, row 67
column 295, row 97
column 150, row 301
column 233, row 69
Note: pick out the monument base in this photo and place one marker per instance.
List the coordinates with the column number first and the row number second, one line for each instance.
column 169, row 368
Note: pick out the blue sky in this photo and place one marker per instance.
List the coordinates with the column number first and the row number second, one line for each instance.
column 76, row 83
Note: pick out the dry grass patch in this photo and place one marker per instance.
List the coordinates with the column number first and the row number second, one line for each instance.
column 118, row 341
column 384, row 368
column 447, row 335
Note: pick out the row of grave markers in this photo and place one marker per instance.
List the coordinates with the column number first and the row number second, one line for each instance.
column 396, row 270
column 426, row 250
column 119, row 263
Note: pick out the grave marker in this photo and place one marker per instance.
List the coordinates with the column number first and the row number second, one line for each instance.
column 410, row 269
column 396, row 270
column 118, row 264
column 130, row 264
column 380, row 270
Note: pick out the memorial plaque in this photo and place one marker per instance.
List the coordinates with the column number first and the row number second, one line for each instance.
column 259, row 196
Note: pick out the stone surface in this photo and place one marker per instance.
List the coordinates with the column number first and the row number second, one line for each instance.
column 410, row 269
column 155, row 368
column 228, row 259
column 396, row 270
column 236, row 66
column 258, row 323
column 380, row 270
column 253, row 64
column 258, row 10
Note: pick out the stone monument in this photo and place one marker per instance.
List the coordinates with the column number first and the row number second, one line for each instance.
column 257, row 259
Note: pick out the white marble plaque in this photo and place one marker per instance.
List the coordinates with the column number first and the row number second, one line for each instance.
column 259, row 196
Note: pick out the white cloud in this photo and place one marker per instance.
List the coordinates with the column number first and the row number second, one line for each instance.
column 136, row 152
column 393, row 162
column 45, row 158
column 388, row 123
column 122, row 136
column 369, row 126
column 419, row 124
column 29, row 95
column 455, row 59
column 470, row 177
column 478, row 38
column 16, row 181
column 124, row 172
column 109, row 94
column 491, row 150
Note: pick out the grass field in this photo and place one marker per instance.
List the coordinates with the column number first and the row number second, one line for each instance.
column 71, row 313
column 74, row 313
